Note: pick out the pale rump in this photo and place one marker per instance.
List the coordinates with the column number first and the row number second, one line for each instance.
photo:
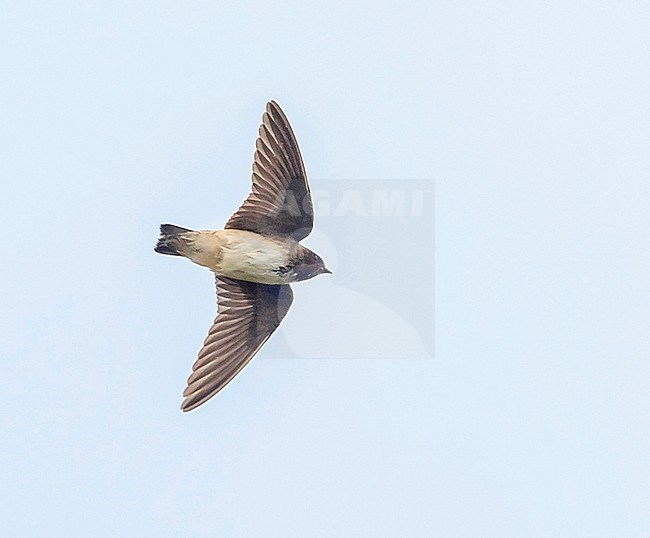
column 242, row 255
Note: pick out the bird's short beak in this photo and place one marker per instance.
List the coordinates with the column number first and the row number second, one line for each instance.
column 326, row 270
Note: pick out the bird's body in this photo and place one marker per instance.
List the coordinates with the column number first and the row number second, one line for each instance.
column 254, row 259
column 243, row 255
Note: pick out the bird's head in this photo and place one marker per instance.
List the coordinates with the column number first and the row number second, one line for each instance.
column 309, row 264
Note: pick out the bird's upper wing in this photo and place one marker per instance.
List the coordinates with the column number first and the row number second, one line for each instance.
column 280, row 201
column 248, row 313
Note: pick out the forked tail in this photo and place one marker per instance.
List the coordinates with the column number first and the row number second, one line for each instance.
column 171, row 240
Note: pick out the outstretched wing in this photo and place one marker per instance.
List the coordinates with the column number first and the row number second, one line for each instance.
column 248, row 313
column 280, row 201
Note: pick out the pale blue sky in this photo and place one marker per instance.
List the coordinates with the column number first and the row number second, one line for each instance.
column 529, row 121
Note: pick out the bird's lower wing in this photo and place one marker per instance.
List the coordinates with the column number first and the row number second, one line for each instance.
column 248, row 313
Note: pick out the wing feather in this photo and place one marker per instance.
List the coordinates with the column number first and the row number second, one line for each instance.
column 248, row 313
column 280, row 199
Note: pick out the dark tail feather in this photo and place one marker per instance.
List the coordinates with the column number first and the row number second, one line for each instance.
column 171, row 241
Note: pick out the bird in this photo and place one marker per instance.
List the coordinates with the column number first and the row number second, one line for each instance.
column 255, row 258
